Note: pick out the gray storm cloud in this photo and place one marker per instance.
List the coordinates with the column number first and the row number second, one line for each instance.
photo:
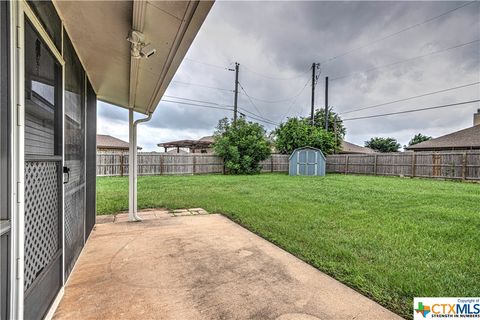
column 276, row 43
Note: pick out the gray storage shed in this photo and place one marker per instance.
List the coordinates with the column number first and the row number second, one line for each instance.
column 307, row 161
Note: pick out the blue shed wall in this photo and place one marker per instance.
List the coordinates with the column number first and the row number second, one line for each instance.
column 292, row 165
column 306, row 161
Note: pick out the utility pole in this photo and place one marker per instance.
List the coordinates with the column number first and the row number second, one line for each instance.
column 326, row 103
column 312, row 119
column 335, row 132
column 235, row 101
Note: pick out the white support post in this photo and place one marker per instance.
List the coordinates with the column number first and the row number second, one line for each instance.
column 132, row 169
column 133, row 165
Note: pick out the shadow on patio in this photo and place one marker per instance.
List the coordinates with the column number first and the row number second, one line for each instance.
column 196, row 266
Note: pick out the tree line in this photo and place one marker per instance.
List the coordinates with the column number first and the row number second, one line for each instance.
column 243, row 144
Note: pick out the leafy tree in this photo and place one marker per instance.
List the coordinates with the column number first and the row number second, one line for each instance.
column 242, row 145
column 296, row 133
column 418, row 138
column 383, row 144
column 319, row 118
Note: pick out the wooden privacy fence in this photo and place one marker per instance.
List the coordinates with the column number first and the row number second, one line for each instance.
column 447, row 165
column 116, row 164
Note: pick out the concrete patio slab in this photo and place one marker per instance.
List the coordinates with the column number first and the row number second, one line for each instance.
column 200, row 267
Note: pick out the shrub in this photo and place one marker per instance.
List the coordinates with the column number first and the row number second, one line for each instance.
column 383, row 144
column 242, row 145
column 296, row 133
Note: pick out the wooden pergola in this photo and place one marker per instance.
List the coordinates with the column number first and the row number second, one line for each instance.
column 191, row 144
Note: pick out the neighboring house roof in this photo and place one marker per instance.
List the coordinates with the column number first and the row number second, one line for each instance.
column 464, row 139
column 348, row 147
column 208, row 139
column 108, row 142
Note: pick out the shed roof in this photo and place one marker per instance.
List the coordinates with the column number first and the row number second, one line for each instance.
column 468, row 138
column 307, row 147
column 108, row 142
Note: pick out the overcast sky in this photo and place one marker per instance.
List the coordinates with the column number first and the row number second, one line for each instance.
column 276, row 43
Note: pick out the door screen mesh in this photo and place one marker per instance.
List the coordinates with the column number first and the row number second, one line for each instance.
column 74, row 139
column 41, row 217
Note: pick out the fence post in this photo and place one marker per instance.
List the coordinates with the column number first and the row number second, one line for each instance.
column 194, row 164
column 464, row 166
column 435, row 169
column 414, row 164
column 161, row 164
column 375, row 165
column 271, row 163
column 346, row 164
column 121, row 164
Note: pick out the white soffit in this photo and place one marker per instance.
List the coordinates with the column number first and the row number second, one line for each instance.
column 98, row 30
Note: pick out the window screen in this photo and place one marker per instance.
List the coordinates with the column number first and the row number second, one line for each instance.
column 49, row 18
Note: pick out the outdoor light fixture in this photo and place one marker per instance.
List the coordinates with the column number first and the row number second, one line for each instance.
column 139, row 49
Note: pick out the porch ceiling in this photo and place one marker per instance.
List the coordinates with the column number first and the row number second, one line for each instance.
column 98, row 30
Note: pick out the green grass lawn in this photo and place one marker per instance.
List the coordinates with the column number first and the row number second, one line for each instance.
column 389, row 238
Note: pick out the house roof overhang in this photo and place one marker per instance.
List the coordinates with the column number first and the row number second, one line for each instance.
column 99, row 31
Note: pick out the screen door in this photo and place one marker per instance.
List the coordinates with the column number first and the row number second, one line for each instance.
column 43, row 175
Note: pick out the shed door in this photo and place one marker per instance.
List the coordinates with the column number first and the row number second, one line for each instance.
column 307, row 162
column 43, row 175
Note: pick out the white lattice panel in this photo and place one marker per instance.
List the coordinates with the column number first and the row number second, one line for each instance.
column 41, row 217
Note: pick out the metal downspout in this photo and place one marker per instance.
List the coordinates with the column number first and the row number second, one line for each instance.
column 132, row 166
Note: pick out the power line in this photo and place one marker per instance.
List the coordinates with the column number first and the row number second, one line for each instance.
column 200, row 101
column 408, row 60
column 253, row 104
column 214, row 105
column 295, row 100
column 281, row 100
column 207, row 64
column 412, row 110
column 258, row 118
column 274, row 77
column 266, row 122
column 246, row 68
column 396, row 33
column 201, row 85
column 197, row 105
column 410, row 98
